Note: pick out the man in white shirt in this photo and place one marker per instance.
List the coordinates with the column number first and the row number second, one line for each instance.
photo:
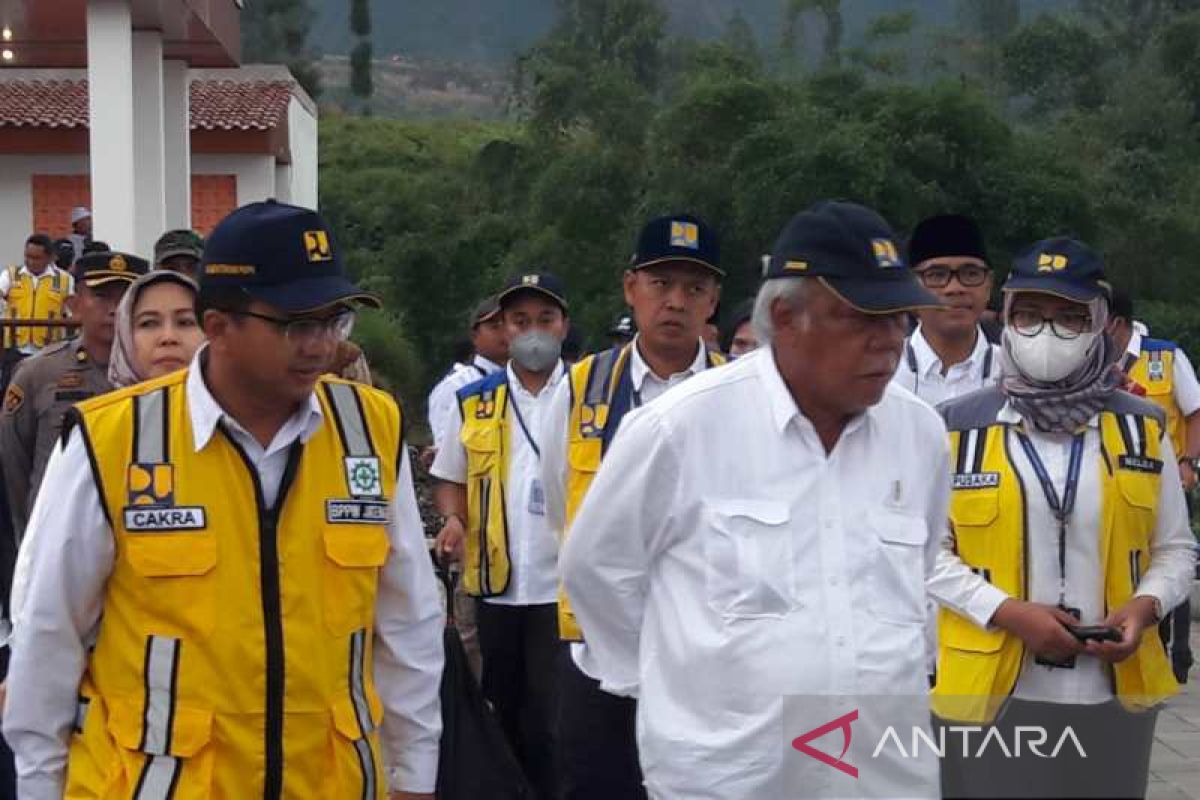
column 673, row 283
column 490, row 346
column 948, row 354
column 1067, row 511
column 494, row 506
column 38, row 289
column 228, row 593
column 759, row 535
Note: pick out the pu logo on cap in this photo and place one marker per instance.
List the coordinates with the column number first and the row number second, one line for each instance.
column 886, row 254
column 1049, row 262
column 117, row 264
column 316, row 246
column 530, row 280
column 685, row 234
column 796, row 266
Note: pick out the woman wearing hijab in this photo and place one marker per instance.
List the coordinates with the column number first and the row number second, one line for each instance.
column 157, row 331
column 1066, row 547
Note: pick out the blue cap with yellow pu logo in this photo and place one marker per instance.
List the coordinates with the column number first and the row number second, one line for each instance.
column 282, row 255
column 1060, row 266
column 852, row 251
column 681, row 238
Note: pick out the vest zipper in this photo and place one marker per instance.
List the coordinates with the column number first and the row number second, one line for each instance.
column 269, row 588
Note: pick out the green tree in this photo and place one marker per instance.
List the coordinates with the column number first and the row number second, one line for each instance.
column 277, row 31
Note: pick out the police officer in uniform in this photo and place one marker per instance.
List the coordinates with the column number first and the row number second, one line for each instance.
column 63, row 374
column 673, row 283
column 228, row 593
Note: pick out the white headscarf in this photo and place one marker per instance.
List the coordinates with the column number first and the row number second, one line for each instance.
column 121, row 363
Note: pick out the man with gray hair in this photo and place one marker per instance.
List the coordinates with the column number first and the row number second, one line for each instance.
column 751, row 556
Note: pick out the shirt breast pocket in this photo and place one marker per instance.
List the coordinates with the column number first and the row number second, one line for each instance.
column 749, row 559
column 897, row 567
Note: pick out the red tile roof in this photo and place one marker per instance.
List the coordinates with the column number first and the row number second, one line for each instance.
column 215, row 104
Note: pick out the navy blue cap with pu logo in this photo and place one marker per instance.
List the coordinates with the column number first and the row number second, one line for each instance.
column 1060, row 266
column 853, row 251
column 282, row 255
column 678, row 238
column 543, row 283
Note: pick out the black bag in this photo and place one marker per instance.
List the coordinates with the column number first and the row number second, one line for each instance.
column 476, row 760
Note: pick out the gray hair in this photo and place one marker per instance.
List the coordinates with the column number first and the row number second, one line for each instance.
column 789, row 290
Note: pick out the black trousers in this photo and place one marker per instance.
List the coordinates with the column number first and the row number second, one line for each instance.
column 519, row 645
column 597, row 740
column 1116, row 743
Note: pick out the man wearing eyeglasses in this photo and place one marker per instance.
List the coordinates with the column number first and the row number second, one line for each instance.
column 948, row 354
column 228, row 593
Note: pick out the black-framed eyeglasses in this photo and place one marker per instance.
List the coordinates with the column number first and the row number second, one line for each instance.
column 938, row 276
column 306, row 329
column 1063, row 324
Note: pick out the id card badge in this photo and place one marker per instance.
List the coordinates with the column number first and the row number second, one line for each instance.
column 537, row 499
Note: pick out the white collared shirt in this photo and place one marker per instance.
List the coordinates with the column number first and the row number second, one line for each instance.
column 47, row 274
column 443, row 400
column 647, row 387
column 1168, row 578
column 1184, row 385
column 927, row 380
column 67, row 556
column 532, row 544
column 723, row 562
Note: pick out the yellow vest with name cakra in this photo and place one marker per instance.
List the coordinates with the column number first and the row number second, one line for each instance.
column 234, row 657
column 36, row 298
column 977, row 668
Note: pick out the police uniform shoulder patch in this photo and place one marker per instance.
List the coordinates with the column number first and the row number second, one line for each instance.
column 14, row 398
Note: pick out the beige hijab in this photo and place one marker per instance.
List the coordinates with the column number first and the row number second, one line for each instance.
column 121, row 364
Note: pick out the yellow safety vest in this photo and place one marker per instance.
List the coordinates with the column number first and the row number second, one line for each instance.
column 977, row 668
column 234, row 657
column 601, row 395
column 485, row 435
column 44, row 297
column 1154, row 371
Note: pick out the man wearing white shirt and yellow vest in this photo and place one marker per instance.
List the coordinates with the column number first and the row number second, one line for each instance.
column 1068, row 515
column 37, row 289
column 948, row 354
column 494, row 503
column 228, row 594
column 761, row 533
column 673, row 284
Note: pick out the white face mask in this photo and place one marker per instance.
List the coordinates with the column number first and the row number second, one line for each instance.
column 1045, row 357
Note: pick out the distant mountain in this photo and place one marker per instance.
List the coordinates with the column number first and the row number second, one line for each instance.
column 492, row 31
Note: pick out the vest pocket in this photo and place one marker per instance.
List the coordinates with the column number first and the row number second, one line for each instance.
column 353, row 556
column 180, row 589
column 749, row 559
column 178, row 767
column 482, row 443
column 584, row 454
column 358, row 765
column 974, row 507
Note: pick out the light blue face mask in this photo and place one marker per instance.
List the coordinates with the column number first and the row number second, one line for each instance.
column 536, row 350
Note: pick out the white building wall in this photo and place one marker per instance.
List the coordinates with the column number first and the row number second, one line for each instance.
column 255, row 173
column 16, row 196
column 302, row 129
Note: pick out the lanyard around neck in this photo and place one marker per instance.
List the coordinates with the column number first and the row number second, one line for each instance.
column 1061, row 508
column 516, row 407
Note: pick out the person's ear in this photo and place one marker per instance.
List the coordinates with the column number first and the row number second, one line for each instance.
column 628, row 281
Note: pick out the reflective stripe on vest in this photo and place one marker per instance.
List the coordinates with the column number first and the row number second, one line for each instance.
column 161, row 771
column 362, row 712
column 978, row 668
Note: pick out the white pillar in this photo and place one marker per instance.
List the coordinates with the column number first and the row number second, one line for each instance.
column 177, row 140
column 150, row 197
column 110, row 105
